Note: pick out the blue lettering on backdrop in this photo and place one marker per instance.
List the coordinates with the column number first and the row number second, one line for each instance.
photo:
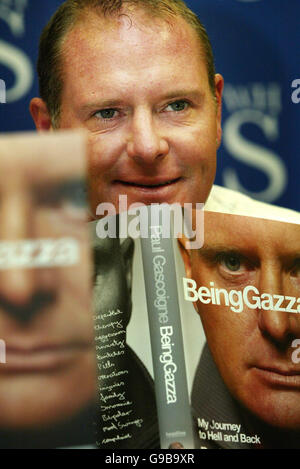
column 12, row 57
column 255, row 45
column 255, row 49
column 257, row 104
column 21, row 22
column 20, row 65
column 2, row 92
column 296, row 92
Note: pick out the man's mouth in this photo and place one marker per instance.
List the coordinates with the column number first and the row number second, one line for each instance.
column 42, row 358
column 278, row 377
column 150, row 190
column 149, row 185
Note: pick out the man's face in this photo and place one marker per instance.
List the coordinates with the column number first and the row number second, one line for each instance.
column 253, row 348
column 45, row 312
column 140, row 87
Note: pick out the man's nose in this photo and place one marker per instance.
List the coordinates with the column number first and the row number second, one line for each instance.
column 146, row 145
column 17, row 285
column 279, row 326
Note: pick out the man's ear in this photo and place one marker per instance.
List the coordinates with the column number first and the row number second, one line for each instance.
column 39, row 112
column 186, row 256
column 219, row 86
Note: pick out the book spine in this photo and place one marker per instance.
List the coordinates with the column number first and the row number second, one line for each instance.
column 172, row 398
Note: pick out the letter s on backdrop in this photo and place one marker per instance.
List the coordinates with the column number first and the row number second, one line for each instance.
column 253, row 154
column 18, row 62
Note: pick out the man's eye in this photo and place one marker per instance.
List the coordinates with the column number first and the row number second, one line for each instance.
column 106, row 113
column 75, row 193
column 234, row 267
column 232, row 262
column 71, row 192
column 177, row 106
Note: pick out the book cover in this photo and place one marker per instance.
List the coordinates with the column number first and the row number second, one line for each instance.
column 244, row 285
column 47, row 363
column 239, row 297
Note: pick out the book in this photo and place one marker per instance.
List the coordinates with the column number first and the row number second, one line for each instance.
column 239, row 300
column 185, row 345
column 47, row 354
column 172, row 399
column 245, row 280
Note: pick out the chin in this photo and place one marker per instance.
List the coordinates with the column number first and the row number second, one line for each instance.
column 37, row 402
column 281, row 412
column 36, row 414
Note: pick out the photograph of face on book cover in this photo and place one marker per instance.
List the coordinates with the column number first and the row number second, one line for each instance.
column 48, row 371
column 187, row 103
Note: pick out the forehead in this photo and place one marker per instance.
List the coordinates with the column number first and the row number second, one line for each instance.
column 106, row 34
column 99, row 49
column 254, row 236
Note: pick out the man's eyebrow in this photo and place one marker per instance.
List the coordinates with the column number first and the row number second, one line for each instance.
column 66, row 186
column 106, row 103
column 210, row 252
column 220, row 247
column 291, row 257
column 190, row 93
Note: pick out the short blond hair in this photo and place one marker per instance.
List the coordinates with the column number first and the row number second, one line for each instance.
column 49, row 65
